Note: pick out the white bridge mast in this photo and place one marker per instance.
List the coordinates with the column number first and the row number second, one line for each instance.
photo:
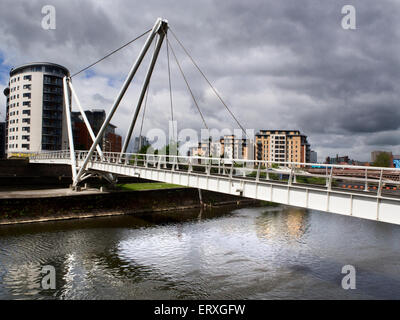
column 160, row 28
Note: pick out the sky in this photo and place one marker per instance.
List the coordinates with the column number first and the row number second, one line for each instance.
column 285, row 64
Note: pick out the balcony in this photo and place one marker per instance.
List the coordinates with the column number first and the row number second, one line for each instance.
column 53, row 81
column 50, row 98
column 51, row 132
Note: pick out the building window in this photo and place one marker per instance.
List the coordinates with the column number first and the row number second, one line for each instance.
column 28, row 77
column 27, row 95
column 27, row 86
column 26, row 120
column 27, row 112
column 26, row 146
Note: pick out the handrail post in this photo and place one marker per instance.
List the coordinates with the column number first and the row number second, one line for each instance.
column 258, row 172
column 294, row 176
column 330, row 180
column 379, row 193
column 190, row 166
column 290, row 175
column 173, row 165
column 326, row 177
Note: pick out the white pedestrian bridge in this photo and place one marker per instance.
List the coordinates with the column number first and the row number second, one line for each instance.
column 363, row 192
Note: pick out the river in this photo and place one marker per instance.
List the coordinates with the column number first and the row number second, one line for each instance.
column 246, row 253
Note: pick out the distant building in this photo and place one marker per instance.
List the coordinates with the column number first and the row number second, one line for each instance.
column 216, row 149
column 233, row 148
column 111, row 141
column 375, row 154
column 200, row 150
column 313, row 156
column 236, row 148
column 139, row 143
column 282, row 146
column 35, row 118
column 228, row 147
column 396, row 161
column 339, row 160
column 2, row 140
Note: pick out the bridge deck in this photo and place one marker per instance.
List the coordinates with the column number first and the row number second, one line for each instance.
column 373, row 204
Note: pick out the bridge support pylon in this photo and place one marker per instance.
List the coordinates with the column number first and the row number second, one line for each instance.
column 160, row 28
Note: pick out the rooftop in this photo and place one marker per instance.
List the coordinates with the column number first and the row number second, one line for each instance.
column 50, row 64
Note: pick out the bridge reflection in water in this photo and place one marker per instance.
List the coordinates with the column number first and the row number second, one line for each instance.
column 245, row 253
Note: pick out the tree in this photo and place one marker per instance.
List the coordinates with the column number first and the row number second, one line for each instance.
column 143, row 149
column 383, row 160
column 170, row 149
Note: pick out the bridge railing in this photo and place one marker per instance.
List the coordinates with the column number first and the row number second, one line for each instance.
column 372, row 179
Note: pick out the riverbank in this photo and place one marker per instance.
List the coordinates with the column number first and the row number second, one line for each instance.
column 19, row 174
column 62, row 204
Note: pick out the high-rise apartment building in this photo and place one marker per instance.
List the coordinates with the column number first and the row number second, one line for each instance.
column 35, row 118
column 283, row 146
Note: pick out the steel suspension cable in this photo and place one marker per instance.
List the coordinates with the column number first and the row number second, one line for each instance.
column 187, row 84
column 170, row 89
column 209, row 83
column 111, row 53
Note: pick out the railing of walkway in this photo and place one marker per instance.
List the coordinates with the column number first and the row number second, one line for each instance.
column 374, row 180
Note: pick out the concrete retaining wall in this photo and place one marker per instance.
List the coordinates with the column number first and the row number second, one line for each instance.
column 125, row 202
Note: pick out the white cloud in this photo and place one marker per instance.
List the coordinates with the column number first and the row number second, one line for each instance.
column 277, row 64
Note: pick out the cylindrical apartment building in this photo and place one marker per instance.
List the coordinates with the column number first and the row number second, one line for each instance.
column 35, row 115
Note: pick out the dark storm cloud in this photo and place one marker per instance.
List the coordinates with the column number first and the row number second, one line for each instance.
column 388, row 139
column 279, row 64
